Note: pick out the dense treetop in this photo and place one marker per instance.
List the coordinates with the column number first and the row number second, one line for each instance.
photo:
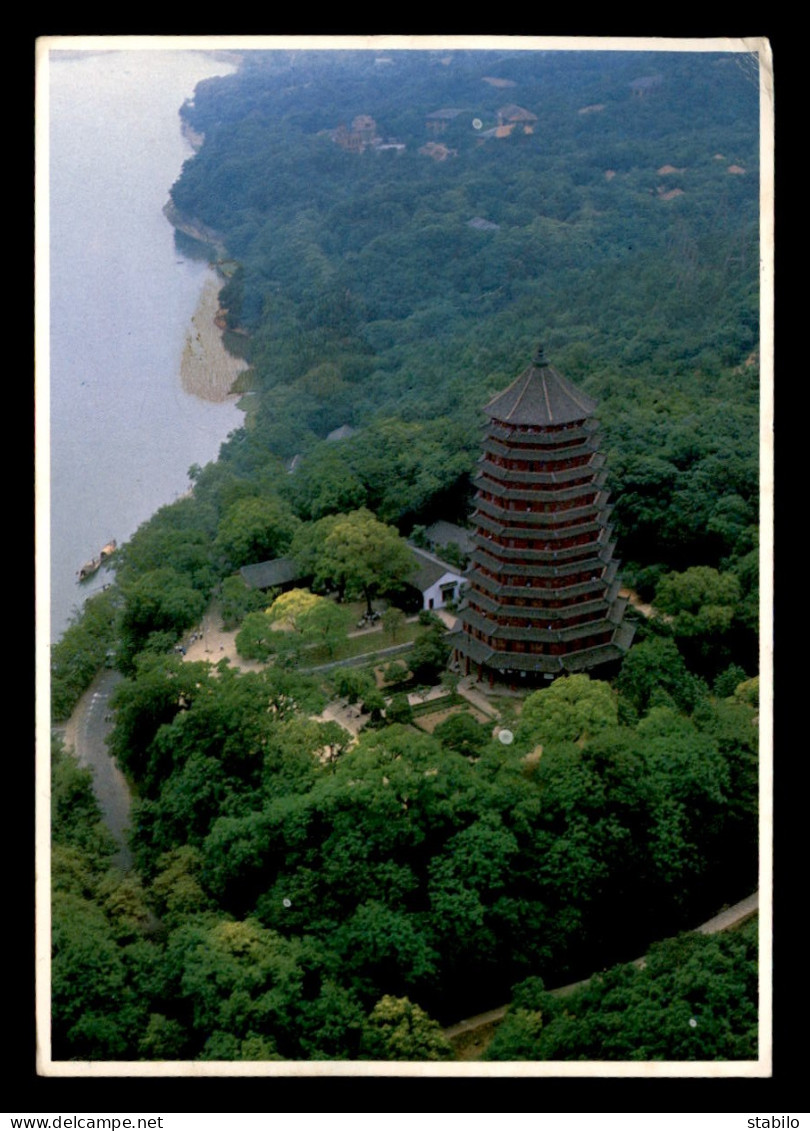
column 302, row 896
column 615, row 232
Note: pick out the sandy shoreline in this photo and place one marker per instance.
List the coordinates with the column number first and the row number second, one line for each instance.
column 207, row 370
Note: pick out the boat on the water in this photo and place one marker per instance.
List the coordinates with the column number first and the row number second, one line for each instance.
column 95, row 564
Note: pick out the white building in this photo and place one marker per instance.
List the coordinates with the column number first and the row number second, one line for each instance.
column 438, row 582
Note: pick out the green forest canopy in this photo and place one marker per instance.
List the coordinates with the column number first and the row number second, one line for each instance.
column 309, row 907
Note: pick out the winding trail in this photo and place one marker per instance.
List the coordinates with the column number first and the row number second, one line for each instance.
column 85, row 735
column 471, row 1037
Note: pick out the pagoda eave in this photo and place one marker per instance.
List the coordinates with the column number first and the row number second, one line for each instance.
column 542, row 595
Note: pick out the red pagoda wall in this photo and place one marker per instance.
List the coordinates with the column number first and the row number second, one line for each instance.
column 542, row 595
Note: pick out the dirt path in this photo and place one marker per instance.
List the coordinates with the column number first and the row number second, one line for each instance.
column 209, row 641
column 645, row 609
column 468, row 690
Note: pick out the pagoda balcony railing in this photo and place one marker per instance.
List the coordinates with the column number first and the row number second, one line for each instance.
column 483, row 582
column 506, row 661
column 551, row 519
column 539, row 454
column 536, row 433
column 596, row 511
column 554, row 533
column 548, row 476
column 543, row 633
column 551, row 497
column 539, row 607
column 541, row 569
column 521, row 554
column 592, row 656
column 550, row 539
column 483, row 654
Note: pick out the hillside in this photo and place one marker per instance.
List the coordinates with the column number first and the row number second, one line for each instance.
column 396, row 234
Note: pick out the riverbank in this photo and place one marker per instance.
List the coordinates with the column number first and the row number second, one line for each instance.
column 124, row 428
column 207, row 370
column 194, row 229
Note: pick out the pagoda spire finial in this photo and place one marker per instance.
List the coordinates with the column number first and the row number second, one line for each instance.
column 540, row 357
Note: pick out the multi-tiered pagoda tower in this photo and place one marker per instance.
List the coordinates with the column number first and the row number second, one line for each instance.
column 543, row 590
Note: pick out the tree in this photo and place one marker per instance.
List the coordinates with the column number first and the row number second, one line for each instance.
column 517, row 1037
column 94, row 1012
column 463, row 733
column 164, row 1039
column 701, row 600
column 354, row 684
column 429, row 654
column 727, row 681
column 306, row 550
column 255, row 529
column 395, row 672
column 470, row 886
column 326, row 484
column 257, row 639
column 239, row 599
column 315, row 620
column 176, row 887
column 236, row 978
column 160, row 688
column 364, row 556
column 290, row 609
column 654, row 671
column 695, row 998
column 327, row 624
column 399, row 709
column 571, row 709
column 397, row 1029
column 75, row 815
column 159, row 604
column 175, row 535
column 393, row 621
column 688, row 804
column 82, row 651
column 380, row 946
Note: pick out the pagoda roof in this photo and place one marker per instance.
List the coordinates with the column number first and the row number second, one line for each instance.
column 553, row 495
column 487, row 524
column 573, row 661
column 480, row 582
column 562, row 520
column 528, row 556
column 543, row 446
column 537, row 566
column 534, row 630
column 549, row 435
column 481, row 600
column 540, row 396
column 549, row 474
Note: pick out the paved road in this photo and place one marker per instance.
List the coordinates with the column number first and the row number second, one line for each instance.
column 86, row 733
column 730, row 917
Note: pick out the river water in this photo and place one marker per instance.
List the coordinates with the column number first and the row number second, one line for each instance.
column 123, row 430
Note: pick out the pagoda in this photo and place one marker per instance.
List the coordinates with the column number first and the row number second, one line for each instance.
column 543, row 588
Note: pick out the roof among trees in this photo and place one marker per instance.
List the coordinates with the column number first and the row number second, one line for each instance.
column 265, row 575
column 429, row 569
column 513, row 113
column 441, row 533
